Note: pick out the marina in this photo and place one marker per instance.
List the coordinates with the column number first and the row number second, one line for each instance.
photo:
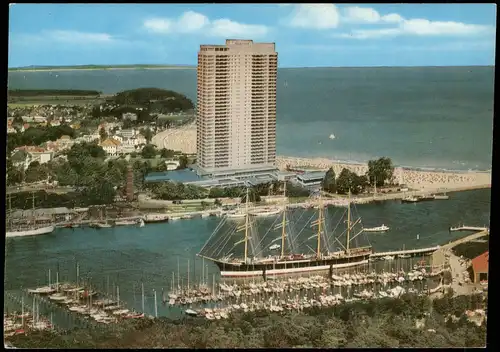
column 150, row 254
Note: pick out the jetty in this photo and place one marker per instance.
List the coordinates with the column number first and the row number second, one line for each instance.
column 420, row 251
column 468, row 228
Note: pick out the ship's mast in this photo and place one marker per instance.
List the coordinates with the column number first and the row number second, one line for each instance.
column 348, row 219
column 283, row 230
column 320, row 220
column 246, row 227
column 33, row 211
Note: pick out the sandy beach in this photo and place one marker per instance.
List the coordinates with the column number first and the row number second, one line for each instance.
column 184, row 139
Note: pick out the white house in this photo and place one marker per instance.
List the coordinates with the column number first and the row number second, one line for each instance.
column 118, row 138
column 91, row 137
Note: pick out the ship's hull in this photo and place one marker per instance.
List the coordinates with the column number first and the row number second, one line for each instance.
column 289, row 267
column 36, row 232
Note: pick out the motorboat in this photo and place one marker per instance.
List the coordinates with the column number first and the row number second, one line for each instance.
column 442, row 196
column 266, row 212
column 382, row 228
column 191, row 312
column 274, row 247
column 410, row 199
column 388, row 257
column 42, row 290
column 32, row 232
column 236, row 215
column 156, row 218
column 125, row 223
column 404, row 256
column 332, row 136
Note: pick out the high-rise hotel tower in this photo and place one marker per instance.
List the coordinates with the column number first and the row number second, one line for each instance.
column 236, row 117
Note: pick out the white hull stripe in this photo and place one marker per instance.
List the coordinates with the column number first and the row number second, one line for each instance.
column 288, row 270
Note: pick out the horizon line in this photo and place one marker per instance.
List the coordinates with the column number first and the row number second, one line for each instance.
column 189, row 65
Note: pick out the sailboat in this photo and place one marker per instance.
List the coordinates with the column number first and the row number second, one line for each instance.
column 101, row 224
column 33, row 229
column 287, row 263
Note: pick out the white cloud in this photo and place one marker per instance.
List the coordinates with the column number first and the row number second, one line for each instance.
column 415, row 27
column 356, row 14
column 367, row 15
column 227, row 28
column 314, row 16
column 193, row 22
column 420, row 27
column 392, row 18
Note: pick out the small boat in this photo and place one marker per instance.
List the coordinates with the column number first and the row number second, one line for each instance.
column 275, row 247
column 141, row 223
column 31, row 232
column 439, row 196
column 191, row 312
column 235, row 215
column 173, row 218
column 404, row 256
column 125, row 223
column 101, row 225
column 410, row 199
column 332, row 136
column 382, row 228
column 266, row 212
column 186, row 217
column 42, row 290
column 388, row 257
column 156, row 218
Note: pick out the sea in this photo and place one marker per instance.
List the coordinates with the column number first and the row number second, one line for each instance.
column 427, row 117
column 421, row 117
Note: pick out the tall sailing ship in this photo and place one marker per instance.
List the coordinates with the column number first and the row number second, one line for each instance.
column 32, row 228
column 252, row 261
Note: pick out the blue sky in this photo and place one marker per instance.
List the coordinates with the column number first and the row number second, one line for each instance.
column 305, row 34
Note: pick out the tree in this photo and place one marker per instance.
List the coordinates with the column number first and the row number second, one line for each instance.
column 349, row 180
column 329, row 183
column 183, row 162
column 18, row 120
column 103, row 134
column 148, row 134
column 253, row 196
column 167, row 153
column 380, row 170
column 149, row 151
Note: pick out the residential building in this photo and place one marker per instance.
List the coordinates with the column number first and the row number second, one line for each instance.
column 311, row 179
column 126, row 149
column 90, row 137
column 128, row 133
column 65, row 142
column 236, row 112
column 129, row 116
column 36, row 154
column 480, row 267
column 111, row 146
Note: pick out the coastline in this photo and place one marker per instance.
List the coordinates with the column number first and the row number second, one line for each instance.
column 184, row 139
column 55, row 69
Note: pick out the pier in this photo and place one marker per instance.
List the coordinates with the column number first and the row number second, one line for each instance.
column 420, row 251
column 468, row 228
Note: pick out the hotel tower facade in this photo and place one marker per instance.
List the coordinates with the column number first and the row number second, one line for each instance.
column 236, row 107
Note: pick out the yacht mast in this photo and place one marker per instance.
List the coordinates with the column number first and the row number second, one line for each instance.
column 246, row 227
column 283, row 230
column 320, row 220
column 348, row 219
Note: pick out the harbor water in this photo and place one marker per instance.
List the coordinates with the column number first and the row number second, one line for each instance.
column 127, row 257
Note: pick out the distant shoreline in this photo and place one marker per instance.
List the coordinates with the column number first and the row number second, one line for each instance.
column 100, row 68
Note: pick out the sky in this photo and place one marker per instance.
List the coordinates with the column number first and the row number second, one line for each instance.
column 306, row 35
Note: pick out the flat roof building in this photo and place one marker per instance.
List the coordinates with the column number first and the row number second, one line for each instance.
column 236, row 107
